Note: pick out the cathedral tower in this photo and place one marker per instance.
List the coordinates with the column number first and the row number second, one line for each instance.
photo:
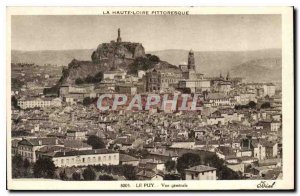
column 191, row 60
column 119, row 39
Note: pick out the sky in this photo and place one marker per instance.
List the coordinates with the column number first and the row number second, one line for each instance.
column 197, row 32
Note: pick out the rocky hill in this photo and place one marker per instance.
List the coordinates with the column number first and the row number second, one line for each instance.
column 128, row 56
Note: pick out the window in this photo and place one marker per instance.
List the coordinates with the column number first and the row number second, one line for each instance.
column 89, row 159
column 192, row 176
column 99, row 158
column 104, row 158
column 83, row 160
column 109, row 158
column 62, row 161
column 94, row 159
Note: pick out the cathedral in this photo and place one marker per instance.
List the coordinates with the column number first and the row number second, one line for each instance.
column 191, row 78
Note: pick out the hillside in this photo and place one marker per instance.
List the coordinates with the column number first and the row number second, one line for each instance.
column 210, row 63
column 263, row 70
column 54, row 57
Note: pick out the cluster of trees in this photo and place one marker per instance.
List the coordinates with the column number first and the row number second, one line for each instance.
column 128, row 171
column 143, row 63
column 191, row 159
column 265, row 105
column 106, row 178
column 250, row 105
column 95, row 142
column 16, row 84
column 170, row 165
column 172, row 177
column 89, row 174
column 90, row 79
column 44, row 168
column 54, row 90
column 88, row 101
column 138, row 153
column 20, row 168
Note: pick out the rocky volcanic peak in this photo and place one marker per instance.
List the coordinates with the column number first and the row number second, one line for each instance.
column 116, row 50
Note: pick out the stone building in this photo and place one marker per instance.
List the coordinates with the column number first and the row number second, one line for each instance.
column 201, row 172
column 84, row 158
column 162, row 79
column 27, row 147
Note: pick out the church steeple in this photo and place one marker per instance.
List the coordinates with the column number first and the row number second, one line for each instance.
column 119, row 39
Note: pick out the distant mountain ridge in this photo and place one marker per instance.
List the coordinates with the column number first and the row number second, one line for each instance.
column 254, row 66
column 263, row 70
column 55, row 57
column 262, row 65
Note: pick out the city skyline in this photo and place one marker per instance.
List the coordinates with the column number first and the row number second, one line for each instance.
column 200, row 33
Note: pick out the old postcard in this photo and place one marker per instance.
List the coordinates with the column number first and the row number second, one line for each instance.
column 150, row 98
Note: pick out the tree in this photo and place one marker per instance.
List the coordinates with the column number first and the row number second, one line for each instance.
column 265, row 105
column 129, row 172
column 223, row 172
column 17, row 164
column 17, row 161
column 63, row 175
column 186, row 161
column 89, row 174
column 76, row 176
column 106, row 177
column 89, row 79
column 252, row 105
column 154, row 58
column 95, row 142
column 26, row 164
column 44, row 168
column 98, row 77
column 170, row 165
column 79, row 81
column 87, row 101
column 14, row 102
column 172, row 177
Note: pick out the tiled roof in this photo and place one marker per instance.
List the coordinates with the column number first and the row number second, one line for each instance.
column 127, row 158
column 40, row 141
column 201, row 168
column 146, row 174
column 217, row 96
column 84, row 152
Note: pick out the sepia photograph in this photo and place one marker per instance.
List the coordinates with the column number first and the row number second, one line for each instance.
column 162, row 98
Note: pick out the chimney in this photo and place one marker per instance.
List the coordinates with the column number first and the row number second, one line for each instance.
column 56, row 141
column 40, row 142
